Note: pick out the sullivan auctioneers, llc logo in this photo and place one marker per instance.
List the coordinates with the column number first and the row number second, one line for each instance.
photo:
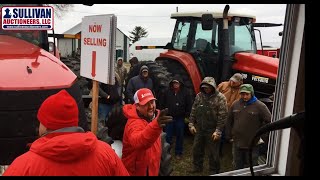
column 27, row 18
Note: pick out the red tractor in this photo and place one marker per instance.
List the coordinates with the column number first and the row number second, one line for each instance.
column 214, row 44
column 30, row 73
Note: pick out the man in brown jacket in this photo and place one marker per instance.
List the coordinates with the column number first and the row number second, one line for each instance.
column 245, row 117
column 231, row 90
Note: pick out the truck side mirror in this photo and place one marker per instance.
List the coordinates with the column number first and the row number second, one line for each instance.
column 207, row 21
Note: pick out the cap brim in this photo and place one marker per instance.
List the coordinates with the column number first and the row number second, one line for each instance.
column 145, row 101
column 244, row 91
column 234, row 79
column 144, row 70
column 205, row 86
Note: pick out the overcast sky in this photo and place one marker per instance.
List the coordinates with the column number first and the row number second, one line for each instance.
column 156, row 17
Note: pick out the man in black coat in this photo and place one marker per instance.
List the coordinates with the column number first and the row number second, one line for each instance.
column 178, row 101
column 140, row 81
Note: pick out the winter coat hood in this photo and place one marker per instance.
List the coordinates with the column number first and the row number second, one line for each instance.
column 130, row 111
column 143, row 68
column 178, row 78
column 65, row 147
column 209, row 81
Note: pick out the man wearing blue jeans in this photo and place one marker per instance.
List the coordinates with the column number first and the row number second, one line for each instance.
column 178, row 101
column 245, row 117
column 177, row 127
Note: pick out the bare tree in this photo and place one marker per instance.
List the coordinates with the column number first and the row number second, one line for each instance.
column 137, row 33
column 60, row 9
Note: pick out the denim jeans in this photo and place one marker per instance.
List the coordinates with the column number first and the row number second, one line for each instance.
column 103, row 111
column 177, row 127
column 120, row 94
column 241, row 157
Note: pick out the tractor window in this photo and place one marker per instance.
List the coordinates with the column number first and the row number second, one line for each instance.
column 203, row 40
column 241, row 39
column 180, row 35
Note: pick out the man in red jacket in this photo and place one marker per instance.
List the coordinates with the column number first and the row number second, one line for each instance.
column 141, row 153
column 64, row 149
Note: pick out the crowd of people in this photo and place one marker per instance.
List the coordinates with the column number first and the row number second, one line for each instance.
column 228, row 112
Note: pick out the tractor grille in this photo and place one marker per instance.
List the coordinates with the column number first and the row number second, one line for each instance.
column 18, row 119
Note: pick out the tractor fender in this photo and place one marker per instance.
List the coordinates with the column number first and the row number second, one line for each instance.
column 189, row 64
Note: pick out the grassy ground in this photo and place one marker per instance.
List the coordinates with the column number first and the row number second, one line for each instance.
column 181, row 167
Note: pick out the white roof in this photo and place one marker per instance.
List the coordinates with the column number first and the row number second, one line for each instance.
column 74, row 30
column 214, row 14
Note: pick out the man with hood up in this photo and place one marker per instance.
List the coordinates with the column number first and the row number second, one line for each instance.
column 245, row 117
column 178, row 101
column 208, row 115
column 64, row 149
column 137, row 82
column 141, row 152
column 122, row 72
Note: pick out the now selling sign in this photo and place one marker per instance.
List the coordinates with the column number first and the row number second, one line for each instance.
column 98, row 48
column 27, row 17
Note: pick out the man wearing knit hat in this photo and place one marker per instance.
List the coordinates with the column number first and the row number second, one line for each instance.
column 137, row 82
column 64, row 149
column 141, row 153
column 245, row 117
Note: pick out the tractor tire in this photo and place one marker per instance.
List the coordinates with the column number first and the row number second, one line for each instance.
column 173, row 68
column 74, row 65
column 103, row 135
column 165, row 163
column 116, row 122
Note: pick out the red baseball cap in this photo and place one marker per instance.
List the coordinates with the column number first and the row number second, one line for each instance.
column 142, row 96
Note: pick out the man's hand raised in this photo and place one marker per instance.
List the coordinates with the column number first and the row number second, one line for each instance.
column 163, row 119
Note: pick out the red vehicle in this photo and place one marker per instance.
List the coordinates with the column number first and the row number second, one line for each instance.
column 269, row 51
column 30, row 73
column 214, row 44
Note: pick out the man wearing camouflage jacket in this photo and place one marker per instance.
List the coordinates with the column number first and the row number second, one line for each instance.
column 208, row 115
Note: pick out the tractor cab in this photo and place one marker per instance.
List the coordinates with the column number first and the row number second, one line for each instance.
column 202, row 36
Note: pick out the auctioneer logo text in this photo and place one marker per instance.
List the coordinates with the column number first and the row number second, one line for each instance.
column 27, row 18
